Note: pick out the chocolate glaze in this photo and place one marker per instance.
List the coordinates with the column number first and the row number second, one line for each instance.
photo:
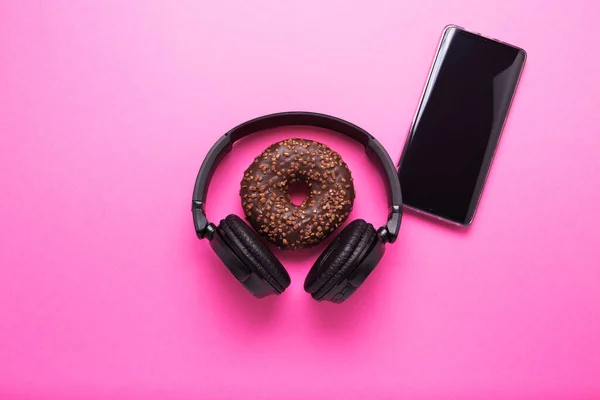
column 266, row 200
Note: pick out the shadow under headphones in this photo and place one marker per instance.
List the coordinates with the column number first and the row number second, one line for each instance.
column 345, row 263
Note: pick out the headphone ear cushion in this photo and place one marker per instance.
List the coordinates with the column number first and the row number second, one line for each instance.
column 253, row 251
column 339, row 258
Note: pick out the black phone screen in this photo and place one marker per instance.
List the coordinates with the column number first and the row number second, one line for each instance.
column 458, row 123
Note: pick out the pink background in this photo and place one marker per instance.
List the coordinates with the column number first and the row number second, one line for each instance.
column 107, row 109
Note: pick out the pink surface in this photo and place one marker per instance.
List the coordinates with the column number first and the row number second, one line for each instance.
column 107, row 109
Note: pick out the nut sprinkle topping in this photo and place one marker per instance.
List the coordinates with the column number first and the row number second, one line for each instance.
column 266, row 199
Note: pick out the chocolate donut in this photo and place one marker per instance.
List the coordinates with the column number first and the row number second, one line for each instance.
column 266, row 199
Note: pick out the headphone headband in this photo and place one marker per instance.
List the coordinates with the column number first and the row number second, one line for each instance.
column 223, row 146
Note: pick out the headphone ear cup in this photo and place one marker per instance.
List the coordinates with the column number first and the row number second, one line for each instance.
column 248, row 248
column 344, row 255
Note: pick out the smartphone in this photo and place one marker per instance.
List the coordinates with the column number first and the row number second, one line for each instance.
column 458, row 123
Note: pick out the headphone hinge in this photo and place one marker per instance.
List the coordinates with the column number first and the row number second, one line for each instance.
column 201, row 224
column 389, row 232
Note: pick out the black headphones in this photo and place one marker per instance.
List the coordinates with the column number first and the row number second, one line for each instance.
column 345, row 263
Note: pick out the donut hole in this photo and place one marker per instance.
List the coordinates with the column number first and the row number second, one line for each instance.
column 298, row 192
